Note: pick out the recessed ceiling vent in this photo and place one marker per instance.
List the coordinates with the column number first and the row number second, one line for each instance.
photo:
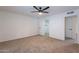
column 71, row 12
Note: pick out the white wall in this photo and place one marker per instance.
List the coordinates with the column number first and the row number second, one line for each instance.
column 14, row 26
column 56, row 26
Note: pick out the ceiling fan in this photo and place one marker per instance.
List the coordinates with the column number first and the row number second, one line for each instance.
column 40, row 10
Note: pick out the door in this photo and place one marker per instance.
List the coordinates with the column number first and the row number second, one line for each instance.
column 46, row 27
column 71, row 27
column 68, row 27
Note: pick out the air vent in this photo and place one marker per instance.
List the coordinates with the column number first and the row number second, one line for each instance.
column 71, row 12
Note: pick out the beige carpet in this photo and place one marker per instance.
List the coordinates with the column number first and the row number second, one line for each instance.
column 38, row 44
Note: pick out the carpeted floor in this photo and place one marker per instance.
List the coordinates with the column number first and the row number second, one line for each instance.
column 38, row 44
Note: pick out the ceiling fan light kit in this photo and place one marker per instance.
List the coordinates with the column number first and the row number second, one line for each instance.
column 40, row 13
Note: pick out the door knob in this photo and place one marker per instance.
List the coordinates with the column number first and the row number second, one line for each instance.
column 70, row 29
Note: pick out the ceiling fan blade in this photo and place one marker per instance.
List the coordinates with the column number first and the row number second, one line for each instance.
column 45, row 12
column 46, row 8
column 34, row 11
column 36, row 8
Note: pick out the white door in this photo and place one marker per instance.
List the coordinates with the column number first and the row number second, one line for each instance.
column 46, row 27
column 69, row 27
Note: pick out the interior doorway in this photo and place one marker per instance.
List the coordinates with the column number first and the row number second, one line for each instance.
column 70, row 28
column 46, row 27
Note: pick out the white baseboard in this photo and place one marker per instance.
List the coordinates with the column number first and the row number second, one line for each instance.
column 15, row 38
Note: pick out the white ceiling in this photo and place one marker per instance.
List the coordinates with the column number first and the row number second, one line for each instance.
column 27, row 9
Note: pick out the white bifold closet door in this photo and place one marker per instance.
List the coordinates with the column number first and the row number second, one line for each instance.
column 71, row 27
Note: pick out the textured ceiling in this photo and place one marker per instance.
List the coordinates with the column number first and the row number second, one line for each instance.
column 27, row 10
